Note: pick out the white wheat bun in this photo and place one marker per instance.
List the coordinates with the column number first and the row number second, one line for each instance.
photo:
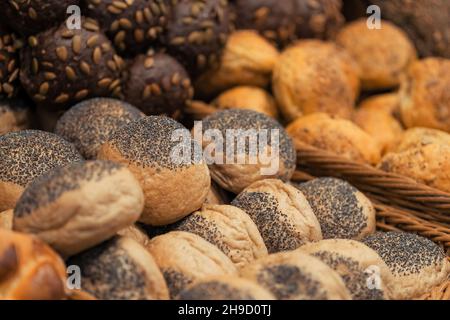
column 294, row 275
column 282, row 214
column 184, row 257
column 120, row 269
column 78, row 206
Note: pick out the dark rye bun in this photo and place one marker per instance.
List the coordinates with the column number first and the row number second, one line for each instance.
column 9, row 62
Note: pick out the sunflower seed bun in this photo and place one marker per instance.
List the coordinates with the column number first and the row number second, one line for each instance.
column 78, row 206
column 382, row 55
column 236, row 176
column 281, row 213
column 295, row 275
column 136, row 233
column 6, row 219
column 247, row 97
column 359, row 266
column 146, row 147
column 225, row 288
column 416, row 263
column 120, row 269
column 90, row 123
column 343, row 212
column 420, row 137
column 15, row 115
column 184, row 257
column 315, row 76
column 424, row 94
column 339, row 136
column 30, row 270
column 27, row 155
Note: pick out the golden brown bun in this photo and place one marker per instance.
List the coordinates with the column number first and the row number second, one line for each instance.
column 120, row 269
column 281, row 213
column 416, row 263
column 295, row 275
column 15, row 115
column 136, row 233
column 78, row 206
column 225, row 288
column 388, row 102
column 6, row 219
column 365, row 274
column 248, row 59
column 429, row 164
column 29, row 269
column 335, row 135
column 419, row 137
column 425, row 94
column 184, row 257
column 315, row 76
column 247, row 97
column 343, row 211
column 382, row 54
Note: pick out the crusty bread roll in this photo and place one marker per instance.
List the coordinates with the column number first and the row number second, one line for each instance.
column 281, row 213
column 136, row 233
column 420, row 137
column 295, row 275
column 78, row 206
column 338, row 136
column 184, row 257
column 388, row 102
column 382, row 54
column 342, row 211
column 225, row 288
column 120, row 269
column 315, row 76
column 416, row 263
column 15, row 115
column 146, row 147
column 365, row 274
column 6, row 219
column 29, row 269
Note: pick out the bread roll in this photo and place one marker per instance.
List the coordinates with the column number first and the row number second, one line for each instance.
column 281, row 213
column 420, row 137
column 6, row 219
column 387, row 102
column 217, row 195
column 295, row 275
column 335, row 135
column 137, row 233
column 78, row 206
column 342, row 211
column 15, row 115
column 416, row 263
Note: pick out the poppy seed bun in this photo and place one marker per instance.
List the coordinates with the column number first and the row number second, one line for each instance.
column 120, row 269
column 420, row 137
column 6, row 219
column 146, row 147
column 236, row 176
column 295, row 275
column 75, row 207
column 338, row 136
column 225, row 288
column 15, row 115
column 90, row 123
column 359, row 266
column 184, row 257
column 315, row 76
column 343, row 212
column 29, row 269
column 416, row 263
column 26, row 155
column 136, row 233
column 281, row 213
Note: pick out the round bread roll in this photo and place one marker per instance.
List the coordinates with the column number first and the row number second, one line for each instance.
column 281, row 213
column 424, row 94
column 419, row 137
column 90, row 123
column 147, row 147
column 428, row 164
column 382, row 54
column 225, row 288
column 417, row 264
column 217, row 195
column 365, row 274
column 29, row 269
column 343, row 212
column 184, row 257
column 315, row 76
column 272, row 157
column 295, row 275
column 387, row 102
column 25, row 155
column 136, row 233
column 248, row 97
column 80, row 205
column 120, row 269
column 335, row 135
column 6, row 219
column 15, row 115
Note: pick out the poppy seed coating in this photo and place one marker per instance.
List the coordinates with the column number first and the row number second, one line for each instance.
column 26, row 155
column 215, row 290
column 405, row 253
column 176, row 281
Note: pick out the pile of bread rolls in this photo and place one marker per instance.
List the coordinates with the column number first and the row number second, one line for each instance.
column 93, row 203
